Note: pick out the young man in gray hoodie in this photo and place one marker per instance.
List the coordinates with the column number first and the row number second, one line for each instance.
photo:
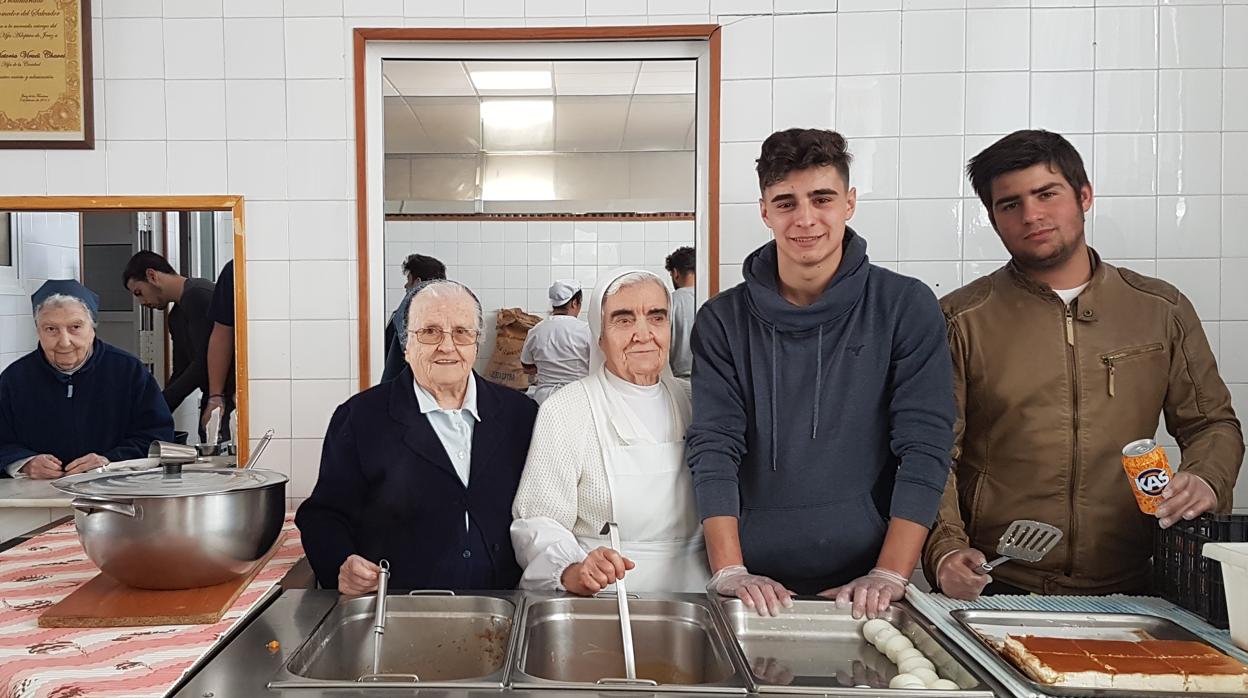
column 822, row 401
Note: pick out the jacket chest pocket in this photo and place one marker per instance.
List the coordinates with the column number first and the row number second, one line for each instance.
column 1115, row 359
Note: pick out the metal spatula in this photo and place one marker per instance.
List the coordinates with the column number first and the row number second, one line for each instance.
column 626, row 627
column 1024, row 540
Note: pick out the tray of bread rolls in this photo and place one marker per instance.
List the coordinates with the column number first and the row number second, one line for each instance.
column 1103, row 654
column 817, row 648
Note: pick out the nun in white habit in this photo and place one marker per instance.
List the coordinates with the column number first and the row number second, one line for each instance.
column 611, row 446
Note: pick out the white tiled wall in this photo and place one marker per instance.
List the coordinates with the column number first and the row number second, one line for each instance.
column 511, row 264
column 49, row 250
column 1154, row 94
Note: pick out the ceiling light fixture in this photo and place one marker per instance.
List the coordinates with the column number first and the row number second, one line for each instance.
column 495, row 80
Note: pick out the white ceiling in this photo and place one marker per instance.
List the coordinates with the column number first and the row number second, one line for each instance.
column 590, row 106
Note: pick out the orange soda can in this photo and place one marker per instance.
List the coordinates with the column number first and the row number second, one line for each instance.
column 1148, row 471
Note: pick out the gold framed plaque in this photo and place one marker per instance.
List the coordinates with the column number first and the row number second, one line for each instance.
column 45, row 74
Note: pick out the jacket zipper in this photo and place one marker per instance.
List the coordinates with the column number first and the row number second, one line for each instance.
column 1110, row 359
column 1073, row 369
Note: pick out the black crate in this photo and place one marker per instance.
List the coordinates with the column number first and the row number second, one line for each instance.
column 1183, row 576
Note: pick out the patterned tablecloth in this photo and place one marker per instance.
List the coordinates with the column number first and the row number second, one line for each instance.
column 70, row 662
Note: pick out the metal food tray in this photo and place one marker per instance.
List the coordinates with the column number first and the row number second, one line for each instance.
column 816, row 648
column 989, row 628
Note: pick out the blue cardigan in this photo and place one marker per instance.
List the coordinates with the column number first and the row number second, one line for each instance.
column 387, row 489
column 111, row 406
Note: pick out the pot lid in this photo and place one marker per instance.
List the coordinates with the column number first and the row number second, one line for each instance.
column 157, row 483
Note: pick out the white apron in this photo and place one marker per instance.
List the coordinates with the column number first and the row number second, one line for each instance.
column 651, row 494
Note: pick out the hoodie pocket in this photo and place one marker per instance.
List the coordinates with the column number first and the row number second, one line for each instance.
column 812, row 542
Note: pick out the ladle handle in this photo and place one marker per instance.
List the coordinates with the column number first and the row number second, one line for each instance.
column 379, row 619
column 264, row 441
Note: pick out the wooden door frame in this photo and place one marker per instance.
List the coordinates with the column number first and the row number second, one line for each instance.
column 231, row 203
column 689, row 32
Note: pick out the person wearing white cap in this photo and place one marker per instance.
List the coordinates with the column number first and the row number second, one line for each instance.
column 611, row 447
column 557, row 348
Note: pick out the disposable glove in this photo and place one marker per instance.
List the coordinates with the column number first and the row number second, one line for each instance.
column 763, row 594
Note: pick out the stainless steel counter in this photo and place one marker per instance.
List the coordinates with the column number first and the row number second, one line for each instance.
column 271, row 650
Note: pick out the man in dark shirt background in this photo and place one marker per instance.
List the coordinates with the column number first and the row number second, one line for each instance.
column 156, row 284
column 221, row 354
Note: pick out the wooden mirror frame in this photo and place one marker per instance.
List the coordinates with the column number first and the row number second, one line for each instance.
column 705, row 32
column 233, row 204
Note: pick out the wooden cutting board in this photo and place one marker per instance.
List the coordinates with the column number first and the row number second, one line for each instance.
column 104, row 602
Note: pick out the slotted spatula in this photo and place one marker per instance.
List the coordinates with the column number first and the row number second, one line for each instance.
column 1024, row 540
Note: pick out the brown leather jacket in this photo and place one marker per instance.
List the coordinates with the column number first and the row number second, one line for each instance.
column 1048, row 396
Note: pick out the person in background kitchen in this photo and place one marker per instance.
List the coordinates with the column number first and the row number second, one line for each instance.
column 416, row 268
column 556, row 350
column 221, row 354
column 156, row 285
column 1060, row 360
column 421, row 470
column 681, row 265
column 611, row 447
column 75, row 403
column 822, row 417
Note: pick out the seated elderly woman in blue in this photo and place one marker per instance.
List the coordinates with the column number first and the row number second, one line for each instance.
column 421, row 470
column 75, row 403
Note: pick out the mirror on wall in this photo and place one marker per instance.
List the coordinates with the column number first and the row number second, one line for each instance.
column 515, row 174
column 163, row 322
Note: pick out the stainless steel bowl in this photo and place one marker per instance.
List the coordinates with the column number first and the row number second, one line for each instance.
column 155, row 530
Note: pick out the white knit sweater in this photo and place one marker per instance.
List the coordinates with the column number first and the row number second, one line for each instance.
column 564, row 480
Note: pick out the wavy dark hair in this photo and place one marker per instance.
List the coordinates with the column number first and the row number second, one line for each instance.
column 1020, row 150
column 801, row 149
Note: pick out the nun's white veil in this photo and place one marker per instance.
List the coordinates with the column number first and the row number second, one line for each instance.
column 596, row 299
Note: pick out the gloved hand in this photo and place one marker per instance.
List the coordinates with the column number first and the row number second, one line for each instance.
column 763, row 594
column 869, row 594
column 958, row 575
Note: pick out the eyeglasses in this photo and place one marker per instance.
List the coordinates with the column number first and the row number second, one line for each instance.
column 433, row 335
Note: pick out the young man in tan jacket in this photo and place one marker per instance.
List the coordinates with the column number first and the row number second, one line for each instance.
column 1060, row 360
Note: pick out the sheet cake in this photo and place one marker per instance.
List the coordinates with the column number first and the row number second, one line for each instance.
column 1144, row 665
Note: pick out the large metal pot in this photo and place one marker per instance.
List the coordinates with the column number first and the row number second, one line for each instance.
column 177, row 528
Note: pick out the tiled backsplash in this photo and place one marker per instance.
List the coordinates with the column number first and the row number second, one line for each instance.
column 251, row 97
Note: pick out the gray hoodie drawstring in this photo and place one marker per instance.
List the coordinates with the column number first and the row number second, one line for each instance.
column 775, row 387
column 814, row 427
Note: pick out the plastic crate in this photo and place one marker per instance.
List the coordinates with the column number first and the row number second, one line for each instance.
column 1183, row 576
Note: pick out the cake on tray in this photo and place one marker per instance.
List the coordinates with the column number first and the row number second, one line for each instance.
column 1143, row 665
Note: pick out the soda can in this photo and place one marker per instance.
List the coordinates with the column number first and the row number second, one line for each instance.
column 1148, row 471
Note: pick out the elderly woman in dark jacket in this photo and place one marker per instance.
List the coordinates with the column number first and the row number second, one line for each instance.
column 421, row 470
column 75, row 403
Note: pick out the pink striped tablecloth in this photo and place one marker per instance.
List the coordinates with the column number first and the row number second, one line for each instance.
column 69, row 662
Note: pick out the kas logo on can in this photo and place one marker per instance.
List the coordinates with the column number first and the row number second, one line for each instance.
column 1152, row 481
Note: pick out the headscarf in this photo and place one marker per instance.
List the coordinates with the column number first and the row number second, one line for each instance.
column 596, row 358
column 67, row 287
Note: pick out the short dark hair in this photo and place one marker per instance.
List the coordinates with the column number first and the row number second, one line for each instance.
column 136, row 268
column 424, row 267
column 801, row 149
column 576, row 298
column 1020, row 150
column 682, row 260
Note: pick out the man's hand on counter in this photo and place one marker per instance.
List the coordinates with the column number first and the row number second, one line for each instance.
column 43, row 467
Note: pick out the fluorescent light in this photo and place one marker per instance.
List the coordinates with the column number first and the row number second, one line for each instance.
column 511, row 79
column 517, row 113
